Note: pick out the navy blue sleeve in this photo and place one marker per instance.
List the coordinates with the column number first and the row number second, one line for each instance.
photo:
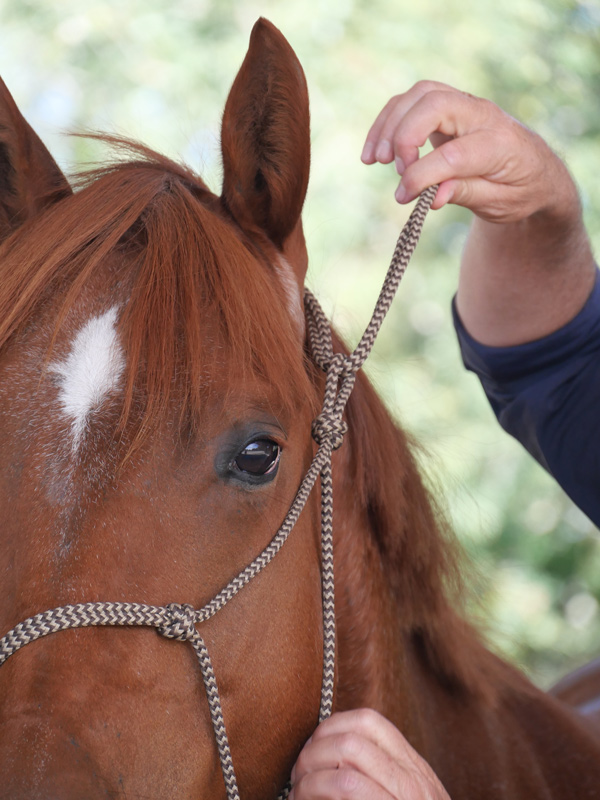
column 546, row 394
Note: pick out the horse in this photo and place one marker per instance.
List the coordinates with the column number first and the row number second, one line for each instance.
column 156, row 399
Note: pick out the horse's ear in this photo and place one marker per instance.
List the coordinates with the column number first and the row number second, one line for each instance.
column 266, row 139
column 29, row 177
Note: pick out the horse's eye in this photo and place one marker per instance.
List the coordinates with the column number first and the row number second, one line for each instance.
column 258, row 458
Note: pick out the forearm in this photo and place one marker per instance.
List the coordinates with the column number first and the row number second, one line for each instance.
column 520, row 281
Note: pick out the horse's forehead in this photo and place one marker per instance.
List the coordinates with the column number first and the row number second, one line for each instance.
column 90, row 372
column 63, row 397
column 52, row 396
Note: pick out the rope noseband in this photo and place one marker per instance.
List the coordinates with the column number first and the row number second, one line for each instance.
column 176, row 621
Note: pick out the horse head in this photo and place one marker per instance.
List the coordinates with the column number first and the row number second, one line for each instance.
column 155, row 406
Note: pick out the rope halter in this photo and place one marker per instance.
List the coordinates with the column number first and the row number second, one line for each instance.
column 176, row 621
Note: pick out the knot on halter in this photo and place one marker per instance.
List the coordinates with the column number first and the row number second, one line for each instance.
column 180, row 623
column 330, row 427
column 340, row 366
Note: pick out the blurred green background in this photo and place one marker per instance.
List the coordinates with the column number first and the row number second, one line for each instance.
column 159, row 70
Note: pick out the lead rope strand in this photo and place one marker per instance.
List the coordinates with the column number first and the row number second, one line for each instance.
column 178, row 621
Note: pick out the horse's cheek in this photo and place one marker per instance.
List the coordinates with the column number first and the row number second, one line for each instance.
column 280, row 682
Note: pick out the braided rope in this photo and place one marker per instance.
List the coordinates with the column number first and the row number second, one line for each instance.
column 178, row 621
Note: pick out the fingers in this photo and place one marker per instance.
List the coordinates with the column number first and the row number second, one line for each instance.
column 482, row 159
column 350, row 752
column 372, row 726
column 361, row 754
column 377, row 148
column 460, row 127
column 471, row 156
column 427, row 111
column 382, row 138
column 337, row 784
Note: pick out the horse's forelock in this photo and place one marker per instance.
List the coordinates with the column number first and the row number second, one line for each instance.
column 204, row 308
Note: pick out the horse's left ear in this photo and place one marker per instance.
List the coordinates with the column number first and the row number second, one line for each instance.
column 30, row 180
column 266, row 142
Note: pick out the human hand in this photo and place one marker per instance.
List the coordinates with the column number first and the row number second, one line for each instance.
column 360, row 754
column 483, row 158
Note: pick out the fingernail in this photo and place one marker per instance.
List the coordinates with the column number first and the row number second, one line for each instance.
column 367, row 153
column 401, row 194
column 384, row 151
column 399, row 165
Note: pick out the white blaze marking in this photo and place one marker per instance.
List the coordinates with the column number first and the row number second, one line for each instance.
column 90, row 372
column 292, row 292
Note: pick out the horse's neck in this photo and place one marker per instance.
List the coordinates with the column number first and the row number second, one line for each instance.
column 369, row 653
column 394, row 565
column 390, row 559
column 386, row 657
column 374, row 670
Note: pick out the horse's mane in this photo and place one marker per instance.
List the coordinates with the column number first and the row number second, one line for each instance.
column 421, row 557
column 186, row 268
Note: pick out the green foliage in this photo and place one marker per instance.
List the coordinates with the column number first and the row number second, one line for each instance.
column 159, row 70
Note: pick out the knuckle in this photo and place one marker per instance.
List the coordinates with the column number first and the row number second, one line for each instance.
column 394, row 99
column 463, row 194
column 438, row 100
column 488, row 105
column 493, row 109
column 367, row 718
column 473, row 98
column 467, row 193
column 426, row 86
column 322, row 729
column 452, row 152
column 526, row 139
column 496, row 118
column 349, row 745
column 341, row 784
column 349, row 783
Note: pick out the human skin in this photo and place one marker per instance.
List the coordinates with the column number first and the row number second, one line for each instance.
column 359, row 754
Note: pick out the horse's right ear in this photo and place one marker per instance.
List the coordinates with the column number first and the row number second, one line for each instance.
column 266, row 139
column 30, row 180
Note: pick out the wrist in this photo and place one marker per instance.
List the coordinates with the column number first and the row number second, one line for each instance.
column 522, row 280
column 559, row 205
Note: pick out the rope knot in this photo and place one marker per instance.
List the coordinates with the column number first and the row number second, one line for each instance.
column 341, row 366
column 180, row 622
column 329, row 427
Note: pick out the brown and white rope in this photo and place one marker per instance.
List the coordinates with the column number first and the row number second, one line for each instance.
column 178, row 621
